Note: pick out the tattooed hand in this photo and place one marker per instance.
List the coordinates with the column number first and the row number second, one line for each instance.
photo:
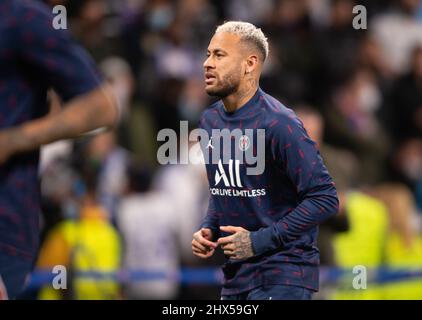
column 238, row 245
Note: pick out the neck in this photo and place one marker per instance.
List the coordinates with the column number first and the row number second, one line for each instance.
column 239, row 98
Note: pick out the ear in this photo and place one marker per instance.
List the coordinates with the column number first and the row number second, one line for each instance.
column 251, row 63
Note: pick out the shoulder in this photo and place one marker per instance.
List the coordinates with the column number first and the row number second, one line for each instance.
column 24, row 13
column 36, row 6
column 278, row 116
column 36, row 21
column 31, row 12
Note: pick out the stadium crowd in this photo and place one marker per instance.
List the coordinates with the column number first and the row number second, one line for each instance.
column 108, row 205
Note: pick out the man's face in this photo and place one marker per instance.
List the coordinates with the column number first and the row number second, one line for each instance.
column 223, row 66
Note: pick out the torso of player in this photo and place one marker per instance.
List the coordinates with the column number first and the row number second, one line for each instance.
column 248, row 186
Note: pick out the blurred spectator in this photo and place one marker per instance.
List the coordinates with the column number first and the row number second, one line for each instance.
column 136, row 131
column 149, row 224
column 407, row 166
column 87, row 21
column 343, row 167
column 186, row 187
column 319, row 11
column 352, row 123
column 372, row 57
column 403, row 249
column 406, row 102
column 86, row 244
column 398, row 32
column 60, row 149
column 336, row 46
column 288, row 29
column 365, row 87
column 253, row 11
column 118, row 73
column 60, row 185
column 111, row 160
column 192, row 100
column 408, row 161
column 362, row 245
column 198, row 19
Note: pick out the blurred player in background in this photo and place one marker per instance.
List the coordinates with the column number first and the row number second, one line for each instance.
column 33, row 58
column 267, row 223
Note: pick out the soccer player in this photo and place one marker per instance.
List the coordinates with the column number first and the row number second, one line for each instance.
column 34, row 57
column 265, row 223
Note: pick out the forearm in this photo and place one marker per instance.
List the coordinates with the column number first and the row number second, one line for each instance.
column 310, row 212
column 316, row 196
column 82, row 114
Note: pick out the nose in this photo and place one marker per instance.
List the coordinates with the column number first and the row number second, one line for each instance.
column 208, row 63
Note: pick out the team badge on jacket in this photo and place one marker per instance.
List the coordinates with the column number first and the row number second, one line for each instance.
column 244, row 143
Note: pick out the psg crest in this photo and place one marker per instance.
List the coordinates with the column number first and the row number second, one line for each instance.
column 244, row 143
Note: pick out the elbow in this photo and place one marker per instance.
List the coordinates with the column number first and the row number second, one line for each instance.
column 333, row 204
column 328, row 201
column 329, row 206
column 332, row 201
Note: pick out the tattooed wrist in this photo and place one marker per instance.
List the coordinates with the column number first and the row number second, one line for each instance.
column 243, row 244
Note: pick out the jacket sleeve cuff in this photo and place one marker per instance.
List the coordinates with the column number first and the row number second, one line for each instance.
column 264, row 240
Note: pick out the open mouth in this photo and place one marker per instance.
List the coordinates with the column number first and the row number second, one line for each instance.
column 209, row 78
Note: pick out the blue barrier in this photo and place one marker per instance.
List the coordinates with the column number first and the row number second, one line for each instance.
column 214, row 276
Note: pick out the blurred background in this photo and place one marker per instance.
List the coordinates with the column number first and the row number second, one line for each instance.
column 122, row 224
